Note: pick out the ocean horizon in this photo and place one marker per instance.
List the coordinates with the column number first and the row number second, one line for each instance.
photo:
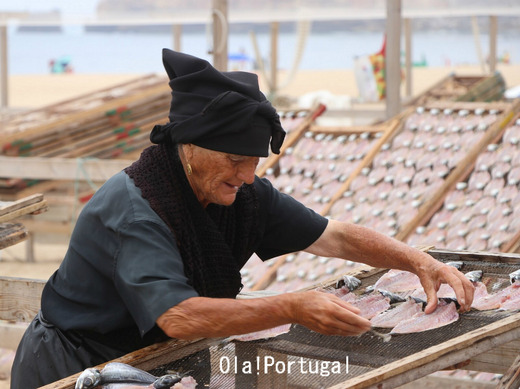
column 30, row 52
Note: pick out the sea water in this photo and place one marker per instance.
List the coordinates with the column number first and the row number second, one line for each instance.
column 30, row 52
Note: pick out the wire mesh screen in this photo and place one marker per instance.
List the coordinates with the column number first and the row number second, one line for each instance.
column 302, row 358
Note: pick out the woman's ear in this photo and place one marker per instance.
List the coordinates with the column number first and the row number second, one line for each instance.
column 187, row 150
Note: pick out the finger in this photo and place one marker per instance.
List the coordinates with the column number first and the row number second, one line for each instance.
column 462, row 287
column 352, row 318
column 347, row 329
column 469, row 291
column 350, row 307
column 470, row 294
column 431, row 298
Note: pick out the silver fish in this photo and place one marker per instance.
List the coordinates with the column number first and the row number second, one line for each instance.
column 351, row 282
column 90, row 378
column 456, row 264
column 514, row 276
column 394, row 297
column 474, row 276
column 115, row 372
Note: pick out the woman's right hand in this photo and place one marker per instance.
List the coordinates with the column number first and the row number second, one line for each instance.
column 327, row 314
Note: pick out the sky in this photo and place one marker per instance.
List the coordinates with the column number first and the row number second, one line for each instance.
column 67, row 7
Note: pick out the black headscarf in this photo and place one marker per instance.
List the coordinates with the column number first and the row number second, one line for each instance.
column 222, row 111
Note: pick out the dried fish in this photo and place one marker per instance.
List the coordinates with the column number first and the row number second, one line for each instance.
column 484, row 301
column 446, row 313
column 370, row 305
column 391, row 317
column 397, row 281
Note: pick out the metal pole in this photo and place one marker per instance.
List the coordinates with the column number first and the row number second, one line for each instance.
column 220, row 34
column 4, row 71
column 393, row 58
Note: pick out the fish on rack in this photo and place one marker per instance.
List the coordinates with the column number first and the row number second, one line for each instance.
column 505, row 299
column 445, row 313
column 392, row 317
column 445, row 291
column 117, row 375
column 402, row 280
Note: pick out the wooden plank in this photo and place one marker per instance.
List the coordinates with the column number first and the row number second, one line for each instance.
column 57, row 168
column 11, row 234
column 511, row 380
column 497, row 359
column 147, row 358
column 20, row 203
column 446, row 361
column 11, row 334
column 20, row 298
column 29, row 209
column 434, row 381
column 490, row 334
column 53, row 227
column 463, row 255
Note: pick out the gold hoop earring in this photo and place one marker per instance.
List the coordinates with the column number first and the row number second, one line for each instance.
column 188, row 169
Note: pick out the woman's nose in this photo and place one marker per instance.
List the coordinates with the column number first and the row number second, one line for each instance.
column 246, row 171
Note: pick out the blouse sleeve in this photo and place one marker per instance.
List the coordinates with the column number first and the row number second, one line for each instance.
column 149, row 273
column 287, row 224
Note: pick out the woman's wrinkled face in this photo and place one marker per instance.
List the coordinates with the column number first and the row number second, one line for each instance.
column 217, row 176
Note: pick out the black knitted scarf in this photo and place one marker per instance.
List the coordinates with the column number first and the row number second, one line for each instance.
column 214, row 242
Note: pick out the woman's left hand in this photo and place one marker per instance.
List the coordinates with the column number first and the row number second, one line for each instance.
column 437, row 273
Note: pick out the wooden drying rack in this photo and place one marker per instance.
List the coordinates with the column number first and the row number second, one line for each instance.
column 491, row 348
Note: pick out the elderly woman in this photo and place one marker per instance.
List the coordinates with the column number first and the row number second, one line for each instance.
column 157, row 252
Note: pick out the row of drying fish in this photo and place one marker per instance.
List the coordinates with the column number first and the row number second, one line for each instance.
column 397, row 299
column 117, row 375
column 405, row 284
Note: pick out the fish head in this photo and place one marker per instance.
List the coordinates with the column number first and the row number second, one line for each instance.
column 351, row 282
column 514, row 276
column 167, row 381
column 90, row 378
column 474, row 276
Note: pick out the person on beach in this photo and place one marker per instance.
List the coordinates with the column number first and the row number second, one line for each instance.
column 157, row 252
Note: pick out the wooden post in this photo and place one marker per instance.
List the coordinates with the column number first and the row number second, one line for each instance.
column 493, row 26
column 408, row 55
column 220, row 34
column 476, row 38
column 29, row 248
column 393, row 58
column 4, row 82
column 177, row 33
column 275, row 26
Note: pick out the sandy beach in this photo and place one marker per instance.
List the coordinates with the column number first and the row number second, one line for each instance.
column 32, row 91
